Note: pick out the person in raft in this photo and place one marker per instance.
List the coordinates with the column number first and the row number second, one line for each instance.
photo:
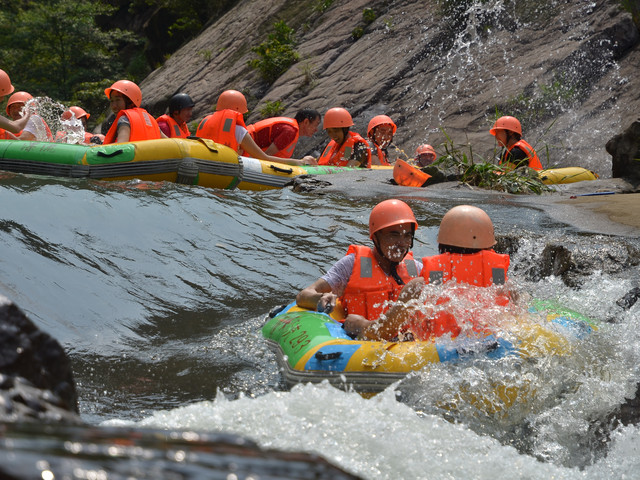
column 346, row 148
column 425, row 155
column 465, row 243
column 174, row 123
column 278, row 136
column 36, row 128
column 226, row 126
column 380, row 131
column 131, row 122
column 517, row 153
column 80, row 114
column 10, row 127
column 366, row 278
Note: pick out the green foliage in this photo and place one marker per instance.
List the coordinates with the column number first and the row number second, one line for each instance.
column 277, row 54
column 51, row 48
column 368, row 15
column 272, row 109
column 357, row 32
column 322, row 5
column 487, row 175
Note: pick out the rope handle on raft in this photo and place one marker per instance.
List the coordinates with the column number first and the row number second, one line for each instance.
column 109, row 155
column 283, row 170
column 327, row 356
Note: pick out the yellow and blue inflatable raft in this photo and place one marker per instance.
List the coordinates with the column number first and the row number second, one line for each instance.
column 311, row 347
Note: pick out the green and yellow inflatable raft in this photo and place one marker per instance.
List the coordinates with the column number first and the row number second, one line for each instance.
column 311, row 347
column 190, row 161
column 554, row 176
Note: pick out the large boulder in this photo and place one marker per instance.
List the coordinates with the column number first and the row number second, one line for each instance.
column 36, row 381
column 624, row 149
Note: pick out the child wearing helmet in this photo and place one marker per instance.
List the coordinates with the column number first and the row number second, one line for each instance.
column 380, row 131
column 466, row 256
column 425, row 155
column 346, row 148
column 132, row 123
column 9, row 127
column 226, row 126
column 366, row 278
column 517, row 153
column 174, row 123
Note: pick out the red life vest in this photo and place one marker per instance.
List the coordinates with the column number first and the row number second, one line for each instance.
column 532, row 156
column 220, row 127
column 481, row 269
column 339, row 155
column 382, row 155
column 176, row 130
column 269, row 123
column 369, row 287
column 143, row 126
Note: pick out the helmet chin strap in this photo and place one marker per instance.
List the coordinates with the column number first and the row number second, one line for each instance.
column 393, row 265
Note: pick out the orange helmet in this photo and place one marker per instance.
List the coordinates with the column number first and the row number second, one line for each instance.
column 467, row 227
column 18, row 97
column 380, row 120
column 79, row 112
column 128, row 89
column 506, row 123
column 5, row 84
column 337, row 118
column 388, row 213
column 232, row 100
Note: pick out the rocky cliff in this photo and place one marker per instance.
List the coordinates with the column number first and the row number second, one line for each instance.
column 567, row 68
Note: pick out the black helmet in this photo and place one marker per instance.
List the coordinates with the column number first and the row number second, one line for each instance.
column 180, row 101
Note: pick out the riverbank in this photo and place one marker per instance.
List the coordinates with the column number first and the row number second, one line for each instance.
column 604, row 206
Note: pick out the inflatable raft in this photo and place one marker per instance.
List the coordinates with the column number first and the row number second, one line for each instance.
column 189, row 161
column 313, row 347
column 554, row 176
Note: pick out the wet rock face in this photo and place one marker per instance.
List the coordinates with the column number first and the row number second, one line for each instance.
column 624, row 149
column 36, row 381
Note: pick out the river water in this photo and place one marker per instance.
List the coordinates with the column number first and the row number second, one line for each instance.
column 158, row 292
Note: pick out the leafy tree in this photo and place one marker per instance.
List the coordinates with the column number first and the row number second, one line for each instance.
column 54, row 48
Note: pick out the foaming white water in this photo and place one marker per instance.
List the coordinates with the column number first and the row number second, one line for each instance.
column 375, row 438
column 380, row 437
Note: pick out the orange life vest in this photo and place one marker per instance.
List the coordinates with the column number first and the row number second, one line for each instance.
column 269, row 123
column 220, row 127
column 369, row 287
column 481, row 269
column 177, row 130
column 382, row 155
column 143, row 126
column 339, row 155
column 532, row 156
column 7, row 135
